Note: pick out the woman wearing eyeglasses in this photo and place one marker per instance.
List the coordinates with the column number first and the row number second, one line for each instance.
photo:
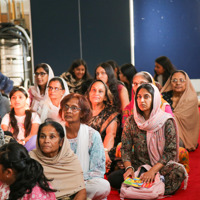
column 181, row 95
column 57, row 89
column 39, row 92
column 86, row 142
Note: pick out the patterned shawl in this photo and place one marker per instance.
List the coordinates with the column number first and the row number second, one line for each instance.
column 73, row 84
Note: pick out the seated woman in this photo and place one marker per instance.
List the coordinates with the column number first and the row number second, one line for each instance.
column 21, row 121
column 49, row 108
column 163, row 69
column 76, row 76
column 105, row 118
column 21, row 176
column 39, row 92
column 60, row 164
column 127, row 72
column 154, row 135
column 115, row 67
column 180, row 94
column 86, row 143
column 138, row 79
column 104, row 72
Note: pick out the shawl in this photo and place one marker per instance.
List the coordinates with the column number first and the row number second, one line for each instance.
column 48, row 110
column 35, row 92
column 128, row 110
column 82, row 147
column 64, row 169
column 74, row 85
column 186, row 114
column 155, row 128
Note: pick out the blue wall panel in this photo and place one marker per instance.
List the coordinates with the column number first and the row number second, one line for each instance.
column 104, row 25
column 170, row 28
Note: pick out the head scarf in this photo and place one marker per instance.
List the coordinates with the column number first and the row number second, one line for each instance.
column 130, row 107
column 35, row 91
column 155, row 128
column 48, row 110
column 186, row 114
column 64, row 169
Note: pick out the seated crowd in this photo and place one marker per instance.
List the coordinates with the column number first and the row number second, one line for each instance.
column 75, row 137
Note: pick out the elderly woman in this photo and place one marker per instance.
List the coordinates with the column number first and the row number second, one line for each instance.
column 59, row 162
column 39, row 92
column 180, row 94
column 86, row 143
column 105, row 117
column 49, row 108
column 154, row 135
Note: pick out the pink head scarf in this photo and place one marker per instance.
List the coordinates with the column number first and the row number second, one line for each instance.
column 155, row 128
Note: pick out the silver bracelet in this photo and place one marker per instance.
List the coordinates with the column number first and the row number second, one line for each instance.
column 129, row 168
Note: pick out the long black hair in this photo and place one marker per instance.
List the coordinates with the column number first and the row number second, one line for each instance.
column 167, row 66
column 28, row 172
column 77, row 63
column 112, row 83
column 129, row 71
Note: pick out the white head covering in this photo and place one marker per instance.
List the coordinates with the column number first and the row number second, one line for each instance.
column 35, row 91
column 48, row 110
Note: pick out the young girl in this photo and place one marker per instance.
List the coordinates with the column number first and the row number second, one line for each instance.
column 20, row 121
column 22, row 177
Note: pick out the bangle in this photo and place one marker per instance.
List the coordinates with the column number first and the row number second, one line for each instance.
column 23, row 142
column 106, row 150
column 129, row 168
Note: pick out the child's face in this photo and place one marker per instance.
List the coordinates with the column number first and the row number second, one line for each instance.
column 18, row 100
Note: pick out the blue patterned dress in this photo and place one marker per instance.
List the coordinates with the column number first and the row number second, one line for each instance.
column 96, row 154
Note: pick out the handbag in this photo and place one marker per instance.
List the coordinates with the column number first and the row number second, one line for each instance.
column 157, row 189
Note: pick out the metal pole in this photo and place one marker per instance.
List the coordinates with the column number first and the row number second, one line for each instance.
column 132, row 39
column 80, row 31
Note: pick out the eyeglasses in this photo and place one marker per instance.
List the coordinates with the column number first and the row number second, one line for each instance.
column 137, row 84
column 52, row 88
column 181, row 80
column 72, row 108
column 42, row 74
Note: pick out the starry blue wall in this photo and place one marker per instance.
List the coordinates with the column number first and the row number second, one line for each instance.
column 170, row 28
